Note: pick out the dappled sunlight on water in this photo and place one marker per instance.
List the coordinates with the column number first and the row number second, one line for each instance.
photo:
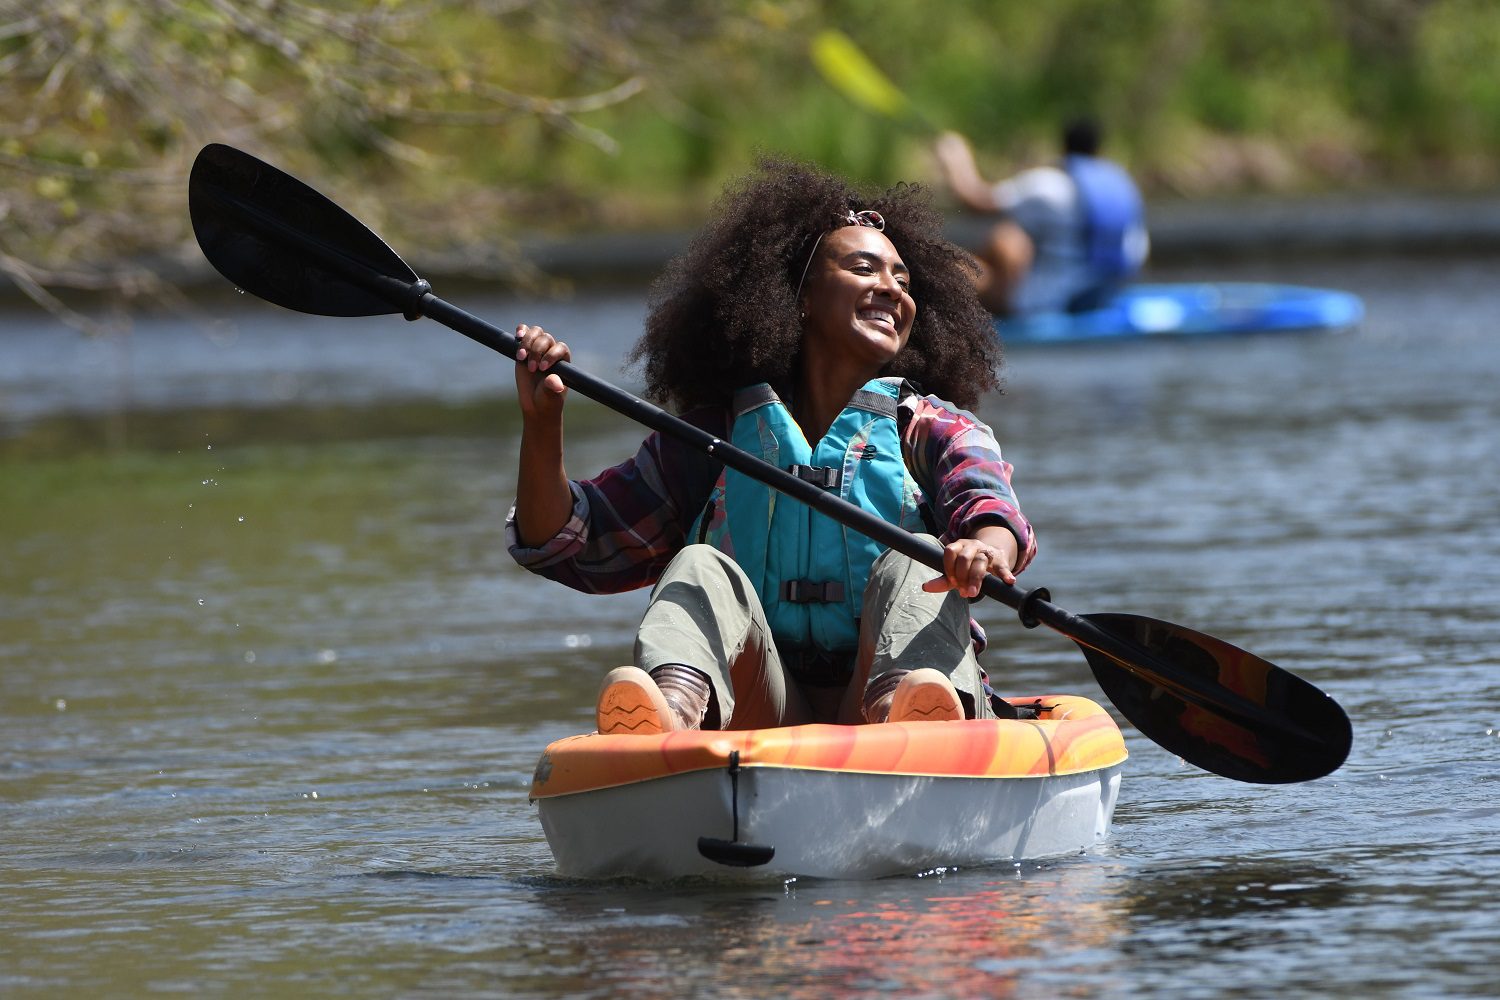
column 274, row 691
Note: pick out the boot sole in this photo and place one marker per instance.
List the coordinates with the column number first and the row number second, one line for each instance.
column 630, row 703
column 925, row 696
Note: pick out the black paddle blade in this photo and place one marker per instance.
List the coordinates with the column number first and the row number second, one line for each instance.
column 277, row 238
column 1248, row 719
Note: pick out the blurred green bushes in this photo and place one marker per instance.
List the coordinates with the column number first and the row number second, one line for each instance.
column 1199, row 97
column 454, row 125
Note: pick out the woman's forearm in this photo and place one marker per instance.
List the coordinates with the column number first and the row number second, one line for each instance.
column 544, row 501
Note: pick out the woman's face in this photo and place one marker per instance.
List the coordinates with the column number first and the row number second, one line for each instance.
column 857, row 298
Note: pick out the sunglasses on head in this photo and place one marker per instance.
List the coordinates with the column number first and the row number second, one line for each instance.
column 866, row 217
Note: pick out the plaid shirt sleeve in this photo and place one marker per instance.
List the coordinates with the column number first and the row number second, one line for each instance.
column 628, row 521
column 956, row 461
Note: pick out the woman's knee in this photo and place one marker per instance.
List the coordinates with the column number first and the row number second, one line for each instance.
column 891, row 567
column 700, row 554
column 703, row 563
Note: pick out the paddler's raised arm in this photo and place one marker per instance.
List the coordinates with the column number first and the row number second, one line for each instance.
column 544, row 501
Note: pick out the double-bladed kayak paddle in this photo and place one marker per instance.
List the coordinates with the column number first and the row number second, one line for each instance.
column 1213, row 704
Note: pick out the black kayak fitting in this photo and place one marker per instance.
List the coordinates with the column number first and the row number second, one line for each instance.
column 732, row 852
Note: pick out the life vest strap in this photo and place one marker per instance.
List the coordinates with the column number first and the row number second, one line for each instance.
column 877, row 403
column 812, row 591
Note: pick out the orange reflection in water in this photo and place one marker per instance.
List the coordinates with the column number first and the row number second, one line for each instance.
column 964, row 939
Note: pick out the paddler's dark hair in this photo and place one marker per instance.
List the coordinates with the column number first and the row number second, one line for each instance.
column 725, row 314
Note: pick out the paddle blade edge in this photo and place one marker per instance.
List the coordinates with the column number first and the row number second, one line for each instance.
column 1259, row 723
column 282, row 241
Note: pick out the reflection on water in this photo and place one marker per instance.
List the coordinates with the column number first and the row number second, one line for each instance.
column 273, row 691
column 979, row 935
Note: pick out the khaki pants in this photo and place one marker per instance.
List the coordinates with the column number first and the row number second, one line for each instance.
column 704, row 613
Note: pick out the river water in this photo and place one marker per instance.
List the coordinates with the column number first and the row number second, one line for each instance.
column 273, row 690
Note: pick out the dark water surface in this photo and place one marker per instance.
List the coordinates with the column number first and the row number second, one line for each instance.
column 273, row 691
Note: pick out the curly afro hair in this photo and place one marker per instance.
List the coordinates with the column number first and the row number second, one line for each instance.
column 725, row 313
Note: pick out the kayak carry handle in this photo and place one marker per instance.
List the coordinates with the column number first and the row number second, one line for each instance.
column 732, row 852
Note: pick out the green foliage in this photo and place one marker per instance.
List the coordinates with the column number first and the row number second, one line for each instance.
column 453, row 124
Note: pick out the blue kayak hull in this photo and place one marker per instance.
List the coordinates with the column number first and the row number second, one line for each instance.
column 1168, row 311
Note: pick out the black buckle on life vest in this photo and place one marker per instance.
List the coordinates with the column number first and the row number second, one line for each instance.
column 823, row 476
column 812, row 591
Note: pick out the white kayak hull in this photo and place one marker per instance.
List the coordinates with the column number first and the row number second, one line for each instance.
column 826, row 824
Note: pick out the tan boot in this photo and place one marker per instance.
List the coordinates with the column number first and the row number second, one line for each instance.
column 630, row 703
column 668, row 699
column 925, row 695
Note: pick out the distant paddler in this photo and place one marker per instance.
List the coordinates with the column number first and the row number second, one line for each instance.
column 1071, row 233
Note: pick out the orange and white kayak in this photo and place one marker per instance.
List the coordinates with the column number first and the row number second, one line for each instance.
column 832, row 801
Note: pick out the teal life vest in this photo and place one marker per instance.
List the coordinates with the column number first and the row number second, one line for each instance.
column 808, row 570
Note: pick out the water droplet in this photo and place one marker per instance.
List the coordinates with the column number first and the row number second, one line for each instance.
column 61, row 704
column 249, row 656
column 242, row 519
column 327, row 656
column 210, row 447
column 200, row 602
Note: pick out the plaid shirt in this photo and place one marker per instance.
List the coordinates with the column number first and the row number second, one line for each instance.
column 630, row 520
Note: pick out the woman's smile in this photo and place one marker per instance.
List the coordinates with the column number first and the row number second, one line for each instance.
column 880, row 315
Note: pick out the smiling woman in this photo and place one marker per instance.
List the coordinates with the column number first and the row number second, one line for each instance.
column 798, row 326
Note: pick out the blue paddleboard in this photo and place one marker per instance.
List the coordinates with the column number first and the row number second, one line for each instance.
column 1191, row 310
